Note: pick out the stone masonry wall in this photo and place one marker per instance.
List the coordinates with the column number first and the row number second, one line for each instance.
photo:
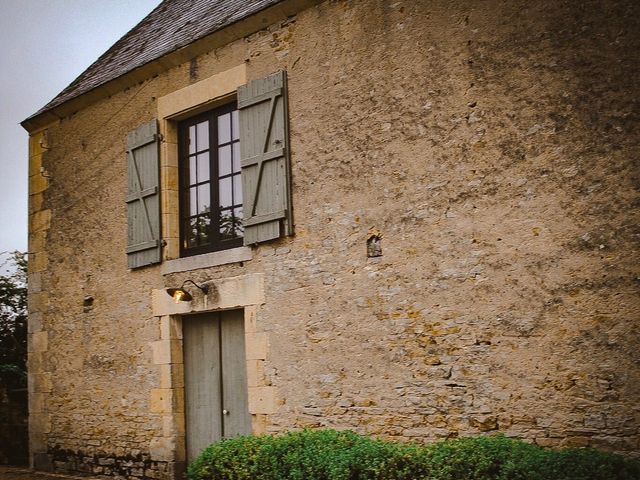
column 492, row 147
column 491, row 144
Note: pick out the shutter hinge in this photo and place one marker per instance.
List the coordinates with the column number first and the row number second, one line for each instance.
column 158, row 137
column 163, row 243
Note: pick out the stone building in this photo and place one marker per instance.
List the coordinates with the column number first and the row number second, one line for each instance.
column 413, row 219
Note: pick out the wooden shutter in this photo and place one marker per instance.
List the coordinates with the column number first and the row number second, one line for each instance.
column 143, row 197
column 264, row 153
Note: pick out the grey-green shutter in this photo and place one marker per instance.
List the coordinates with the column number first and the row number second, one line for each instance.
column 264, row 152
column 143, row 197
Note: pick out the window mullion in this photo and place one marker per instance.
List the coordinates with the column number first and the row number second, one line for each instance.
column 183, row 152
column 213, row 169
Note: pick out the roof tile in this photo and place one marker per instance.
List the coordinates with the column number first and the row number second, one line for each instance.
column 171, row 25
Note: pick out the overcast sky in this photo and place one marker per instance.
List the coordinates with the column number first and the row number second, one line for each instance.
column 44, row 46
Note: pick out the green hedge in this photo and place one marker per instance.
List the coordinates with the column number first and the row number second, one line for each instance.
column 332, row 455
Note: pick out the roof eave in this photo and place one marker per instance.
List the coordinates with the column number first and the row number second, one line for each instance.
column 217, row 39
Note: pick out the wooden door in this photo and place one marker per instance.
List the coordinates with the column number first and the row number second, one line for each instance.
column 216, row 404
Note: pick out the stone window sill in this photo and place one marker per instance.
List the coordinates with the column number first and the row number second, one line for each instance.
column 206, row 260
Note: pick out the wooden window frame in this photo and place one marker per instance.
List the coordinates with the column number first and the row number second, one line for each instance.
column 215, row 243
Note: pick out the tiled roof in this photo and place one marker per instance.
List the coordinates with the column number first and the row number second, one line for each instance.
column 171, row 25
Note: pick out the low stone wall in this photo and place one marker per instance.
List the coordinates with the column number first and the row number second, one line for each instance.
column 136, row 466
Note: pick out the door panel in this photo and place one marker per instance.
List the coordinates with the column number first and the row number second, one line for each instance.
column 216, row 404
column 201, row 343
column 237, row 420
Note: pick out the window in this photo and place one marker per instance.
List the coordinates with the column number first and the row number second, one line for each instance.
column 210, row 182
column 224, row 202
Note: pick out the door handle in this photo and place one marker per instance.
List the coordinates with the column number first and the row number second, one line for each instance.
column 225, row 412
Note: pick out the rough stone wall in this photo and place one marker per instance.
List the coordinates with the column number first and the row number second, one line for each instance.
column 490, row 143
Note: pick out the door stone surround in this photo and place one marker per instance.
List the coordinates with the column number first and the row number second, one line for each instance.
column 167, row 400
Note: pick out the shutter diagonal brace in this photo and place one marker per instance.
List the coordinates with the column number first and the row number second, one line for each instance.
column 261, row 161
column 139, row 195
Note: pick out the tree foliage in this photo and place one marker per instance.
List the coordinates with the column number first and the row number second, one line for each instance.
column 13, row 320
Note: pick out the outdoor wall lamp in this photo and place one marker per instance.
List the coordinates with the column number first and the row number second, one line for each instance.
column 181, row 295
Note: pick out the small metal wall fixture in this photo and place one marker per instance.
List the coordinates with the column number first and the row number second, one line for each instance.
column 87, row 303
column 182, row 295
column 374, row 243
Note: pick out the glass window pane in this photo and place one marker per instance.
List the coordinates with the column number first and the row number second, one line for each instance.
column 237, row 213
column 191, row 234
column 227, row 229
column 203, row 136
column 193, row 178
column 203, row 187
column 237, row 189
column 224, row 128
column 235, row 126
column 192, row 139
column 204, row 198
column 224, row 160
column 236, row 157
column 193, row 201
column 204, row 227
column 203, row 167
column 225, row 192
